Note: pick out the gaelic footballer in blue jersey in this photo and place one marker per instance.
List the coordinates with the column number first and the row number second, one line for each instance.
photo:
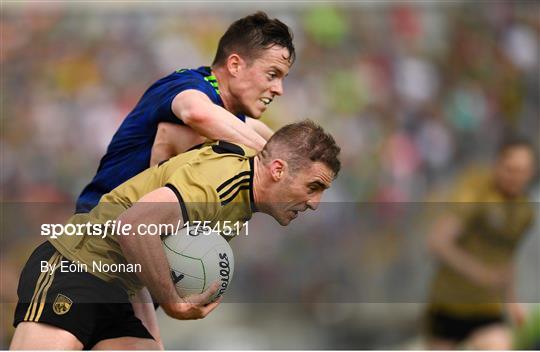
column 188, row 106
column 130, row 149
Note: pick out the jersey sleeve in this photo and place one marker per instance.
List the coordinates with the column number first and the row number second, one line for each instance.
column 179, row 82
column 198, row 199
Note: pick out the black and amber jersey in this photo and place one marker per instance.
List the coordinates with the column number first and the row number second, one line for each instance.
column 492, row 229
column 213, row 183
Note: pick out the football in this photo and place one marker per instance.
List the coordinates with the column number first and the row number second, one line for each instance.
column 197, row 259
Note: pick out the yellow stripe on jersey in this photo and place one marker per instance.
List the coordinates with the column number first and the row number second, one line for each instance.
column 42, row 281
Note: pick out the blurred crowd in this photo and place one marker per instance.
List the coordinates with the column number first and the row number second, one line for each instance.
column 414, row 93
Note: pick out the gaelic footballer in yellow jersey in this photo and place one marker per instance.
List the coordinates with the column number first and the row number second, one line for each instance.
column 493, row 226
column 475, row 244
column 218, row 182
column 213, row 183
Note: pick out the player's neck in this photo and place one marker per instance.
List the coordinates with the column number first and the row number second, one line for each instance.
column 224, row 90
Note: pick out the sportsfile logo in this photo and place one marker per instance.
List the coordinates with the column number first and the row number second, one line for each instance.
column 117, row 227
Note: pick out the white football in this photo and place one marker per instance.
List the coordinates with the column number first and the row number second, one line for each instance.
column 197, row 259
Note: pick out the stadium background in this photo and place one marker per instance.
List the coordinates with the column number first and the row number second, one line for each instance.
column 416, row 94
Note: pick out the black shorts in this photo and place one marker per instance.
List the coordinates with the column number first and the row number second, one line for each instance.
column 78, row 302
column 455, row 328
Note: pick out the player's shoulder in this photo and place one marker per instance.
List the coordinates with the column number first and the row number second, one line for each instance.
column 225, row 157
column 222, row 150
column 474, row 184
column 202, row 73
column 184, row 75
column 231, row 149
column 207, row 155
column 222, row 161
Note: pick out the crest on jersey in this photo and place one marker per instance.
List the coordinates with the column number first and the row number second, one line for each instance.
column 62, row 304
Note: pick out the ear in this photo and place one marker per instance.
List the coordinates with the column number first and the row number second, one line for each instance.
column 278, row 169
column 234, row 64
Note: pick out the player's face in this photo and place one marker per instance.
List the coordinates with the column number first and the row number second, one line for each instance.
column 260, row 80
column 300, row 191
column 514, row 170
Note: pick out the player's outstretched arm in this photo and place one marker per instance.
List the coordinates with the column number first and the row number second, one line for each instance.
column 196, row 110
column 173, row 139
column 160, row 207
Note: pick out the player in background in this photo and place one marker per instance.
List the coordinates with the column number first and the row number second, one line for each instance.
column 475, row 242
column 218, row 182
column 191, row 105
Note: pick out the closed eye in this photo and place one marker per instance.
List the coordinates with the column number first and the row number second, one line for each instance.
column 316, row 186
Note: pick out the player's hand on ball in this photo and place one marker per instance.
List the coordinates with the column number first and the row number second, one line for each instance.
column 193, row 306
column 204, row 298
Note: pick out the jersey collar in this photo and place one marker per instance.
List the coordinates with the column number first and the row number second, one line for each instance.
column 212, row 80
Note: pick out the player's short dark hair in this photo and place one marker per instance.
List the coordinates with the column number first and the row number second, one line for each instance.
column 514, row 142
column 250, row 35
column 300, row 142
